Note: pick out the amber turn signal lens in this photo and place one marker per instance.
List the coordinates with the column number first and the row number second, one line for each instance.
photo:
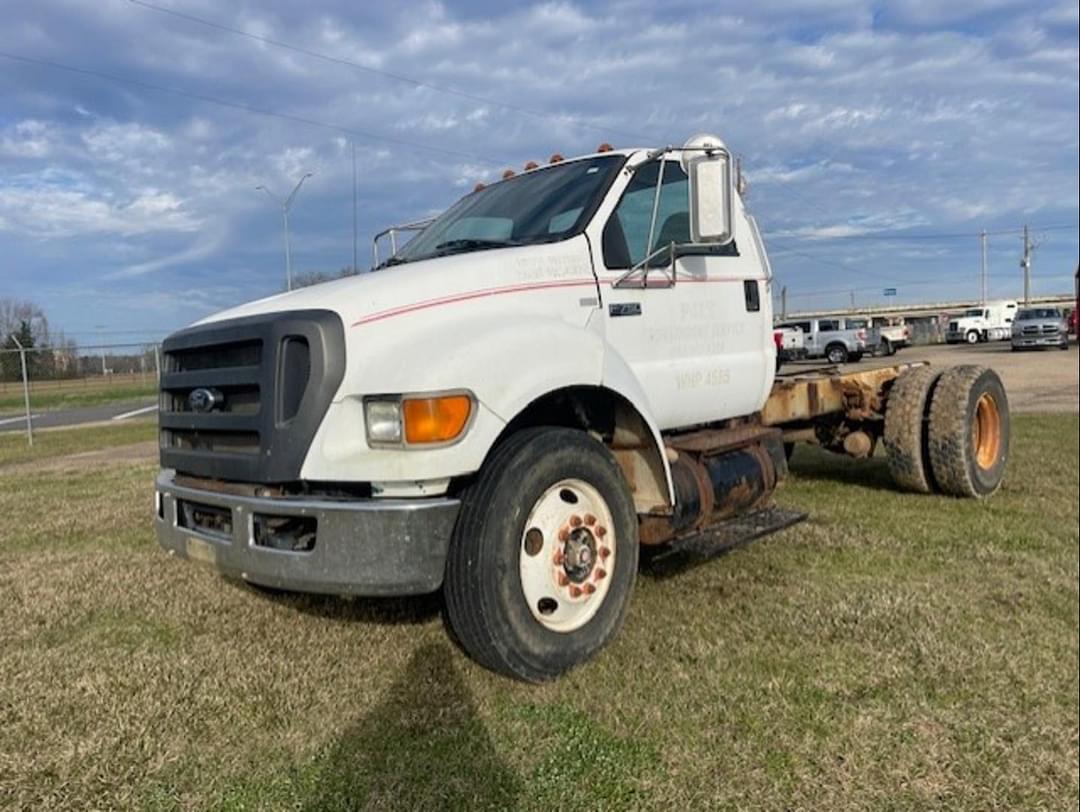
column 436, row 420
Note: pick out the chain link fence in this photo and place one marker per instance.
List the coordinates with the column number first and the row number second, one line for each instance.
column 33, row 378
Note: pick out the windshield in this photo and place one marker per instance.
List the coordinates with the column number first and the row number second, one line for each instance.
column 1038, row 313
column 974, row 313
column 544, row 205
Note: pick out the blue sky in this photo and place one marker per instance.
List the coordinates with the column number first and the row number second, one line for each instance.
column 864, row 127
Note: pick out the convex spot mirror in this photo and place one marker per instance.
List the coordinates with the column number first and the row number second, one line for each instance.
column 708, row 165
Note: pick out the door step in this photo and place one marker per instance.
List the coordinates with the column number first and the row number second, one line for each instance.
column 716, row 540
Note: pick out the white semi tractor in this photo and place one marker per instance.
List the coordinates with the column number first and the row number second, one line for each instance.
column 565, row 367
column 988, row 322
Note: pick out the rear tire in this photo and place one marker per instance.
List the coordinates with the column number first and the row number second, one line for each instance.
column 906, row 447
column 565, row 486
column 836, row 353
column 969, row 432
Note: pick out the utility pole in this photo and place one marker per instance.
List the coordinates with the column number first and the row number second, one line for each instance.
column 101, row 341
column 286, row 204
column 983, row 279
column 353, row 206
column 783, row 302
column 1025, row 263
column 852, row 299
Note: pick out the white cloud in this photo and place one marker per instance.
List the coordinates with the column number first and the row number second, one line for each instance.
column 54, row 211
column 27, row 139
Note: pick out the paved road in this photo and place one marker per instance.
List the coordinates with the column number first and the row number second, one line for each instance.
column 128, row 410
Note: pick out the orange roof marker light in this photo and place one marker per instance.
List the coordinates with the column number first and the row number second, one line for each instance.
column 508, row 173
column 479, row 187
column 531, row 165
column 556, row 158
column 605, row 147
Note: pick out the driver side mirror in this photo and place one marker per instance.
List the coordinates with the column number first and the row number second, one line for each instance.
column 708, row 165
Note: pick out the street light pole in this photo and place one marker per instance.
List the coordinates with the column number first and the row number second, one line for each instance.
column 286, row 204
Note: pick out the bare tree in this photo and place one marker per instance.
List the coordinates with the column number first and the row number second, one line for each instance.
column 14, row 312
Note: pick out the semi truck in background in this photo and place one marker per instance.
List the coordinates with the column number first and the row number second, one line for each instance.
column 565, row 367
column 988, row 322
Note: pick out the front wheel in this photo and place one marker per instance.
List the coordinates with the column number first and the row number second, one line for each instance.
column 836, row 353
column 972, row 337
column 544, row 555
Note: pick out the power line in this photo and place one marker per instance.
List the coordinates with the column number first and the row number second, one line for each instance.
column 247, row 108
column 887, row 236
column 399, row 77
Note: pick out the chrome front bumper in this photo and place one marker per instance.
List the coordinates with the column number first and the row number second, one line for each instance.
column 360, row 546
column 1050, row 340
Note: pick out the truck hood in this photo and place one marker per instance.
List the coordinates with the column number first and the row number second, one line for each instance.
column 369, row 293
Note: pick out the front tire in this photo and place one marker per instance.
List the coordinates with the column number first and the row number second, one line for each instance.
column 836, row 353
column 544, row 555
column 972, row 337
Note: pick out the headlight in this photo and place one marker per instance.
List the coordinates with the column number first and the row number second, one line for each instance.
column 413, row 420
column 382, row 418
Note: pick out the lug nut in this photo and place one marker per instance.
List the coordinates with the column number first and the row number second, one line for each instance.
column 564, row 535
column 600, row 574
column 563, row 580
column 605, row 552
column 590, row 519
column 575, row 521
column 559, row 558
column 600, row 530
column 575, row 592
column 589, row 589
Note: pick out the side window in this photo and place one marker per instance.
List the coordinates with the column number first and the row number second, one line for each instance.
column 804, row 326
column 828, row 325
column 627, row 231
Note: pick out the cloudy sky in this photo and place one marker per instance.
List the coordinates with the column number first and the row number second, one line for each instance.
column 878, row 138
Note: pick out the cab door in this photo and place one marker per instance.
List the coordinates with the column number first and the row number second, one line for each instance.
column 695, row 336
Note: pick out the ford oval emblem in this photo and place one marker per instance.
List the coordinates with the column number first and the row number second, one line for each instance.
column 204, row 400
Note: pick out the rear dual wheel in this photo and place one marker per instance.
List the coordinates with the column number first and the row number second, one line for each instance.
column 947, row 431
column 544, row 555
column 969, row 432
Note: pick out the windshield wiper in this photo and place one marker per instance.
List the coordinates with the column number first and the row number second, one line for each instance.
column 470, row 244
column 390, row 262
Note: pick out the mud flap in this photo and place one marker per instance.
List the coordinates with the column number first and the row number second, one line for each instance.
column 716, row 540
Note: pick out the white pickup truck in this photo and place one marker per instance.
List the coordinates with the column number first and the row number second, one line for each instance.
column 563, row 367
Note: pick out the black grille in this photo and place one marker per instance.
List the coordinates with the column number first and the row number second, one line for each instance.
column 261, row 387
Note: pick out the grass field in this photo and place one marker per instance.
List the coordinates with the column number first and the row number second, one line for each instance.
column 56, row 443
column 893, row 652
column 67, row 394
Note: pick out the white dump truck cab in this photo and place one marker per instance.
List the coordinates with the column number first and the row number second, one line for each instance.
column 563, row 365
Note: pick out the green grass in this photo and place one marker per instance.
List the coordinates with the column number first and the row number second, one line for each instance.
column 46, row 397
column 59, row 442
column 894, row 651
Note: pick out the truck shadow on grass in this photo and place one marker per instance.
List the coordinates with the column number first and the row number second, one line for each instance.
column 422, row 747
column 403, row 611
column 816, row 464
